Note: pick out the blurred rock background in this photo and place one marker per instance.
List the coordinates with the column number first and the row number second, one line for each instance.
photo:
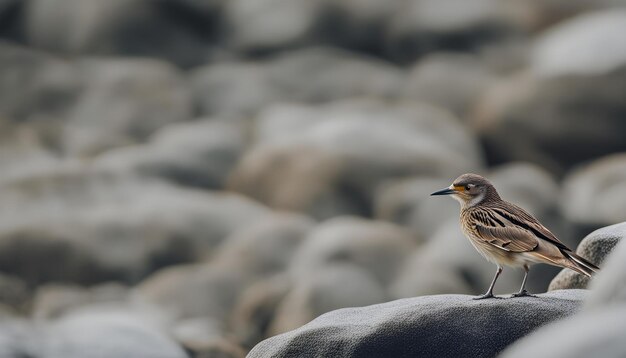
column 183, row 178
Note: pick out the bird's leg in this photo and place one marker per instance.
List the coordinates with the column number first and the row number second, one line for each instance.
column 489, row 293
column 522, row 291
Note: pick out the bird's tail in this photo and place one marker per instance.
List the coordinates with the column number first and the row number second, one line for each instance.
column 580, row 264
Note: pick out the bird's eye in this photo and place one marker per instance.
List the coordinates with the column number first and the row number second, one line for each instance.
column 469, row 186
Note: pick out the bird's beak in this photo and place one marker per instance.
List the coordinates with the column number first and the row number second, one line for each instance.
column 446, row 191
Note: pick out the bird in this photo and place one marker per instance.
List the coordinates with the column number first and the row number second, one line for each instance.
column 507, row 235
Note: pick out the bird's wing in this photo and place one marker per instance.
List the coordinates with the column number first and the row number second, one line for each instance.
column 495, row 231
column 515, row 216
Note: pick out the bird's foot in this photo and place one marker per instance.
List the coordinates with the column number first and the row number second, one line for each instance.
column 486, row 295
column 522, row 294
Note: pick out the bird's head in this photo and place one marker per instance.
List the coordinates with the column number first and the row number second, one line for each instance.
column 470, row 189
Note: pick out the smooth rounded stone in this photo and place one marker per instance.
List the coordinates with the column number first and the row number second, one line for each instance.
column 239, row 88
column 125, row 101
column 314, row 75
column 173, row 31
column 55, row 300
column 322, row 290
column 359, row 24
column 609, row 286
column 595, row 247
column 332, row 157
column 36, row 86
column 429, row 326
column 23, row 152
column 14, row 293
column 195, row 290
column 199, row 154
column 425, row 26
column 588, row 334
column 18, row 337
column 283, row 23
column 319, row 74
column 376, row 246
column 595, row 194
column 104, row 332
column 585, row 45
column 431, row 78
column 266, row 246
column 256, row 307
column 406, row 202
column 527, row 118
column 77, row 213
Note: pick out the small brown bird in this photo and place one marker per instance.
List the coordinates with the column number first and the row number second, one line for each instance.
column 505, row 234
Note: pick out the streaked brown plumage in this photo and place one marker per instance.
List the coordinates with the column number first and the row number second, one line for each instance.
column 505, row 234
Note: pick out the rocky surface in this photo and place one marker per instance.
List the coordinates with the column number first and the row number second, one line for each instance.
column 595, row 247
column 599, row 328
column 220, row 171
column 442, row 326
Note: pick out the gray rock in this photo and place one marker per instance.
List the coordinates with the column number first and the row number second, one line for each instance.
column 200, row 154
column 77, row 212
column 81, row 334
column 126, row 100
column 322, row 290
column 321, row 74
column 594, row 194
column 232, row 87
column 328, row 160
column 36, row 85
column 431, row 78
column 52, row 301
column 432, row 326
column 284, row 23
column 309, row 75
column 18, row 338
column 425, row 26
column 581, row 45
column 267, row 246
column 599, row 334
column 167, row 30
column 376, row 246
column 195, row 290
column 609, row 286
column 527, row 118
column 595, row 247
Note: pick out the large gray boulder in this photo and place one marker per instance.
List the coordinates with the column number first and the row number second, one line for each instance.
column 595, row 247
column 430, row 326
